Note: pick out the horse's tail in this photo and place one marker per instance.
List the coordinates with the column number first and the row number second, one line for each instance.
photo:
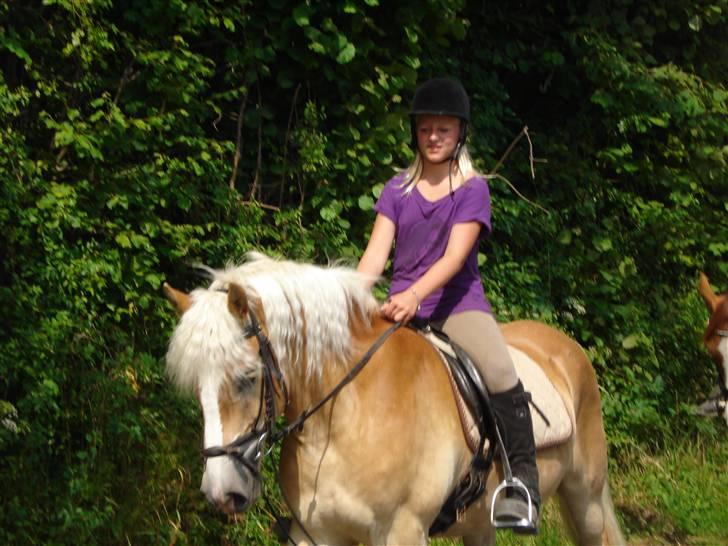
column 612, row 532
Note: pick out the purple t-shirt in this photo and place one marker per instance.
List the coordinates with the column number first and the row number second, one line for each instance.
column 421, row 237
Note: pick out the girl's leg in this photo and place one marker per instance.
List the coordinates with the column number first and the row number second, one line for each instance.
column 478, row 334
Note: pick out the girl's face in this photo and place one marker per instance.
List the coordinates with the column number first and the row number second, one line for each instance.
column 437, row 137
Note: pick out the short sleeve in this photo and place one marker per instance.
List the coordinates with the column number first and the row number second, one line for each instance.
column 387, row 204
column 474, row 204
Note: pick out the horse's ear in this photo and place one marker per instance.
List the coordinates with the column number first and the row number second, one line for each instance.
column 179, row 299
column 707, row 292
column 237, row 301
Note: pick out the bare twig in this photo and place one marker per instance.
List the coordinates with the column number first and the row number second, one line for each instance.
column 259, row 161
column 530, row 152
column 285, row 142
column 126, row 78
column 259, row 204
column 238, row 141
column 519, row 194
column 508, row 151
column 494, row 173
column 217, row 120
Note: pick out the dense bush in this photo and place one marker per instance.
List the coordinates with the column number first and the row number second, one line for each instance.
column 139, row 138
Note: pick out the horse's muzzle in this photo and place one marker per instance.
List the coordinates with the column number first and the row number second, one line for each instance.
column 230, row 485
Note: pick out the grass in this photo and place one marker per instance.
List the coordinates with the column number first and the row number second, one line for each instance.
column 677, row 497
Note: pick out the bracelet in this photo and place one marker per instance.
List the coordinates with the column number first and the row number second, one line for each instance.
column 416, row 297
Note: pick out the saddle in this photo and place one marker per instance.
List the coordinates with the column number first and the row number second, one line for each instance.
column 551, row 427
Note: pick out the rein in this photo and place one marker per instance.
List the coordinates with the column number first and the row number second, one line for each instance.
column 250, row 448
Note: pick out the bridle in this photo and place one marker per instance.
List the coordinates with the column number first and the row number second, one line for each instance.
column 250, row 448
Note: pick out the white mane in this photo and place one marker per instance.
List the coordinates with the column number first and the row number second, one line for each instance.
column 307, row 309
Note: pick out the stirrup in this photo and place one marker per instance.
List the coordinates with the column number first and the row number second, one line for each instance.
column 527, row 525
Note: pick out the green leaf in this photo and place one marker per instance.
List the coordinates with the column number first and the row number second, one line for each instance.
column 631, row 341
column 659, row 121
column 301, row 15
column 123, row 240
column 16, row 49
column 695, row 23
column 346, row 54
column 366, row 202
column 602, row 244
column 328, row 213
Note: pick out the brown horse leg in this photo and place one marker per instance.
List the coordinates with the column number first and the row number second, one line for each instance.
column 406, row 528
column 300, row 538
column 583, row 513
column 591, row 517
column 486, row 537
column 612, row 531
column 584, row 490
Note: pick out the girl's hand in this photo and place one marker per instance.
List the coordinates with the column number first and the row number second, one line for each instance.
column 400, row 307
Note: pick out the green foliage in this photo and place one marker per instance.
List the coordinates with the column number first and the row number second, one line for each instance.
column 140, row 139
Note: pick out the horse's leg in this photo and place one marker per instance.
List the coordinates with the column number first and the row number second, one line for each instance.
column 406, row 528
column 297, row 536
column 590, row 515
column 485, row 537
column 584, row 490
column 612, row 531
column 581, row 488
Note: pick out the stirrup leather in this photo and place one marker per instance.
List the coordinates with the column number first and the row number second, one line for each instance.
column 524, row 525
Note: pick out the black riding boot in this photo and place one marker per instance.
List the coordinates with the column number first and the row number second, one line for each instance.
column 516, row 428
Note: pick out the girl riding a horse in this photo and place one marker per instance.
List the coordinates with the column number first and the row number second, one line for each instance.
column 436, row 212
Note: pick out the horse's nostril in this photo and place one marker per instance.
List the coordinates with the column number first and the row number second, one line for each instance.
column 239, row 502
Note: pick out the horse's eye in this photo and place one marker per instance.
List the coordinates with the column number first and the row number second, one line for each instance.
column 244, row 383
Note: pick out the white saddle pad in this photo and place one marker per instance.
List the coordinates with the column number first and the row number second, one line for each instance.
column 544, row 395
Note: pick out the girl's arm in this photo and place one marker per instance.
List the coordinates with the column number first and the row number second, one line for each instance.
column 377, row 252
column 403, row 306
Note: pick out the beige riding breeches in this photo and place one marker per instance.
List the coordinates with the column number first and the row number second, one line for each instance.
column 478, row 334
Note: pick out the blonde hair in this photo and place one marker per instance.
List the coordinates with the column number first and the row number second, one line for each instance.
column 413, row 173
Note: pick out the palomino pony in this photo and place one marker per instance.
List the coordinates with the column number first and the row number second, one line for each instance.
column 374, row 444
column 716, row 341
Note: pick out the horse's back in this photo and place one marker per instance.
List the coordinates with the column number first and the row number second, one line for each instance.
column 561, row 357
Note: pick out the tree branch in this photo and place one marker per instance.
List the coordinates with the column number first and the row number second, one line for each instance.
column 238, row 141
column 259, row 161
column 494, row 173
column 285, row 142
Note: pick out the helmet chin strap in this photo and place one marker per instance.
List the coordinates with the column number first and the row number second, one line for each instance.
column 452, row 160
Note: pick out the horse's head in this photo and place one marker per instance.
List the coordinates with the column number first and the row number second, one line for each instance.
column 716, row 337
column 215, row 354
column 226, row 349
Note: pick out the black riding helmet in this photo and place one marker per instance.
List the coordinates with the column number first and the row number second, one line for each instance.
column 441, row 97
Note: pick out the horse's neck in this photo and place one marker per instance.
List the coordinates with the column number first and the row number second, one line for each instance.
column 305, row 392
column 310, row 382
